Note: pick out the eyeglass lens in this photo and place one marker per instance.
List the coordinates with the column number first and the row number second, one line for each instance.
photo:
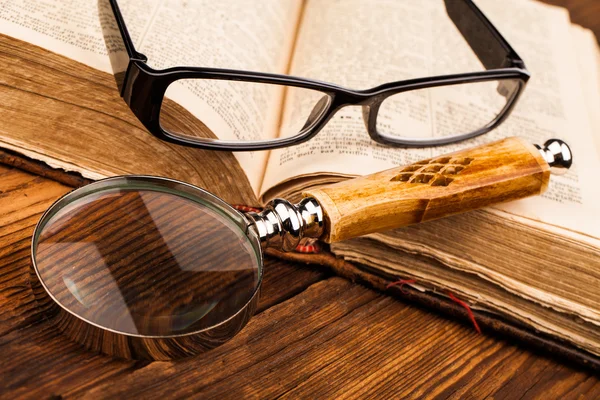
column 248, row 112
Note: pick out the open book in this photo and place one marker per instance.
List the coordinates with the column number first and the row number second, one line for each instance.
column 536, row 260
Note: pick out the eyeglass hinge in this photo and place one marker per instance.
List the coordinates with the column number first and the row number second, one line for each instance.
column 514, row 62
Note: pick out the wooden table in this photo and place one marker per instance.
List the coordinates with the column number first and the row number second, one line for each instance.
column 315, row 335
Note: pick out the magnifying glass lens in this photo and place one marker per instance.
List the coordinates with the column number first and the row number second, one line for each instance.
column 143, row 258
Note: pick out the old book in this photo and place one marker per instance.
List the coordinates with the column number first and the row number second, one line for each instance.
column 535, row 261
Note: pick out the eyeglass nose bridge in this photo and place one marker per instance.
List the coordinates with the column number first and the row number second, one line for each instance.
column 330, row 104
column 318, row 112
column 369, row 104
column 369, row 114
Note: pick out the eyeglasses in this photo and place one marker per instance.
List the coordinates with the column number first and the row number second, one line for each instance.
column 164, row 101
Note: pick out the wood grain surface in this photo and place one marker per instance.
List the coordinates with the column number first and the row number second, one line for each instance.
column 583, row 12
column 314, row 336
column 465, row 180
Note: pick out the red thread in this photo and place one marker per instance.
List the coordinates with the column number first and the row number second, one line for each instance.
column 243, row 208
column 401, row 283
column 469, row 311
column 309, row 248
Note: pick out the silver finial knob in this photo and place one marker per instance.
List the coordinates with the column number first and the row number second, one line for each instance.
column 558, row 156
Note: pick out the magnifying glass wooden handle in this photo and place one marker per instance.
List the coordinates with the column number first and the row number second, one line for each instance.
column 466, row 180
column 494, row 173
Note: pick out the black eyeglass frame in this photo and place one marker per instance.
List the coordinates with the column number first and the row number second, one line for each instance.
column 143, row 87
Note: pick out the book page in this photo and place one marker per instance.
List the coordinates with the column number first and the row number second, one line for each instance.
column 588, row 56
column 479, row 291
column 255, row 36
column 361, row 46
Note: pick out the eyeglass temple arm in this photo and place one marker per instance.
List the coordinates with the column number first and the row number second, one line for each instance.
column 131, row 51
column 482, row 36
column 468, row 18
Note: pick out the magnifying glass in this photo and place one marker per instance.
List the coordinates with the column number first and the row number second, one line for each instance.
column 152, row 268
